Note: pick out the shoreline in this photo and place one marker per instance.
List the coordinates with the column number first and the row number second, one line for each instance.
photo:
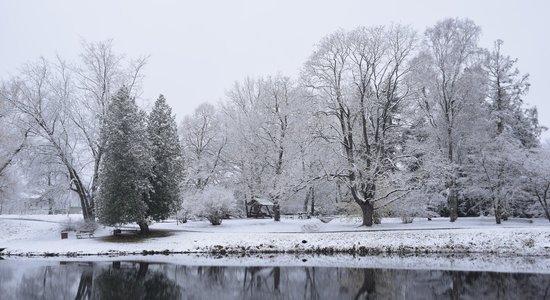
column 520, row 242
column 39, row 236
column 451, row 262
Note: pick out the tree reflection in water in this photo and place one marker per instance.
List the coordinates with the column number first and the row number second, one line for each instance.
column 126, row 281
column 142, row 280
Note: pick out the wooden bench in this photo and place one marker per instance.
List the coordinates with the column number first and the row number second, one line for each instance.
column 84, row 233
column 120, row 231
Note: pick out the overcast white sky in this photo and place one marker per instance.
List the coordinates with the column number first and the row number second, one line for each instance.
column 199, row 48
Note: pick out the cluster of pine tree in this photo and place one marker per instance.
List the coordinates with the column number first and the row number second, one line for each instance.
column 142, row 164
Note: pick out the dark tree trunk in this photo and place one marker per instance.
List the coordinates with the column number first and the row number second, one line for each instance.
column 143, row 226
column 312, row 200
column 277, row 211
column 50, row 199
column 546, row 212
column 246, row 207
column 310, row 195
column 367, row 210
column 452, row 200
column 306, row 201
column 50, row 206
column 498, row 212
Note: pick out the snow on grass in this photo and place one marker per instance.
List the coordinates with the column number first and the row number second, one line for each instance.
column 40, row 235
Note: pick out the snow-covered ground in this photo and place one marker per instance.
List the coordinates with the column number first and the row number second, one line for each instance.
column 40, row 235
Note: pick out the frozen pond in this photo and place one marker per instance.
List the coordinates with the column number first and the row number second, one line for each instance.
column 55, row 279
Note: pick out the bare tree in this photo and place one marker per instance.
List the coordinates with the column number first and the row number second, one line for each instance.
column 41, row 95
column 65, row 105
column 203, row 146
column 448, row 64
column 99, row 75
column 360, row 75
column 264, row 121
column 537, row 177
column 14, row 141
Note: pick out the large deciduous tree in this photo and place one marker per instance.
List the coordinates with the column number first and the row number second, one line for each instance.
column 264, row 119
column 510, row 131
column 450, row 88
column 203, row 141
column 360, row 78
column 537, row 177
column 63, row 107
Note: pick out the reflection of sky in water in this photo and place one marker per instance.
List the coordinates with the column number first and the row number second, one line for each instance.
column 30, row 279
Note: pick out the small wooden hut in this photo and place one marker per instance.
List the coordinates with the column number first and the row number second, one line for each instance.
column 259, row 208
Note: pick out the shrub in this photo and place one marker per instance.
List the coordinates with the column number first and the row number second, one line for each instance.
column 214, row 204
column 69, row 225
column 87, row 225
column 80, row 225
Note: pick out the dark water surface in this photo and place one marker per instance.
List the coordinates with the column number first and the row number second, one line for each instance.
column 32, row 279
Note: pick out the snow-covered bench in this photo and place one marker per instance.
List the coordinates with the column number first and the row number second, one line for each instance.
column 84, row 233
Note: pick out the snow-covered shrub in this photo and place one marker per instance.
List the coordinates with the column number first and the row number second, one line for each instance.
column 81, row 225
column 87, row 225
column 69, row 225
column 214, row 204
column 183, row 214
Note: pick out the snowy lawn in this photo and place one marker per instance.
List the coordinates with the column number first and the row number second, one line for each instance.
column 40, row 235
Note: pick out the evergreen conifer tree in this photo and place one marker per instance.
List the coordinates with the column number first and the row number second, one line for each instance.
column 127, row 165
column 168, row 161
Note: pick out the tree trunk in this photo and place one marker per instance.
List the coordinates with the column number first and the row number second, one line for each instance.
column 367, row 210
column 312, row 201
column 50, row 206
column 276, row 212
column 306, row 201
column 310, row 195
column 143, row 226
column 498, row 212
column 50, row 199
column 452, row 200
column 544, row 207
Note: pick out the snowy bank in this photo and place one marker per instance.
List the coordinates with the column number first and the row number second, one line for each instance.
column 40, row 236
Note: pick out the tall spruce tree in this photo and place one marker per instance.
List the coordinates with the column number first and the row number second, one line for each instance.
column 168, row 161
column 507, row 86
column 511, row 134
column 127, row 165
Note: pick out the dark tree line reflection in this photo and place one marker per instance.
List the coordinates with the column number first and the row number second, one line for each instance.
column 142, row 280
